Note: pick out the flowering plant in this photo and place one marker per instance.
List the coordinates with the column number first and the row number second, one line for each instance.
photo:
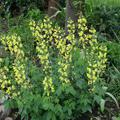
column 65, row 80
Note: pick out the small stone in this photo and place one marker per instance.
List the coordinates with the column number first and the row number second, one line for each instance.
column 8, row 118
column 4, row 112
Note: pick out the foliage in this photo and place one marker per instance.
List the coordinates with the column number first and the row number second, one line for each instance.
column 62, row 80
column 96, row 3
column 113, row 70
column 10, row 5
column 106, row 20
column 114, row 53
column 35, row 14
column 18, row 7
column 116, row 118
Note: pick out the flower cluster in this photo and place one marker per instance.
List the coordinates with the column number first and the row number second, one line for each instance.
column 96, row 53
column 4, row 81
column 65, row 49
column 12, row 43
column 42, row 35
column 82, row 30
column 97, row 58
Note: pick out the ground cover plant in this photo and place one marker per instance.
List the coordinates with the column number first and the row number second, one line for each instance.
column 106, row 21
column 63, row 80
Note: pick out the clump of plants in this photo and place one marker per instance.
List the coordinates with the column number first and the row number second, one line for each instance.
column 112, row 73
column 106, row 20
column 64, row 78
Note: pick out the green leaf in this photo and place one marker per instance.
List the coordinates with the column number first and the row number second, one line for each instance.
column 116, row 118
column 102, row 105
column 71, row 90
column 49, row 116
column 109, row 94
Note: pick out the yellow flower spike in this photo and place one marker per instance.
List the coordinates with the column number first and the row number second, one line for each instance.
column 94, row 40
column 89, row 76
column 81, row 33
column 3, row 85
column 79, row 20
column 90, row 82
column 93, row 73
column 92, row 30
column 89, row 70
column 84, row 20
column 42, row 37
column 32, row 23
column 94, row 65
